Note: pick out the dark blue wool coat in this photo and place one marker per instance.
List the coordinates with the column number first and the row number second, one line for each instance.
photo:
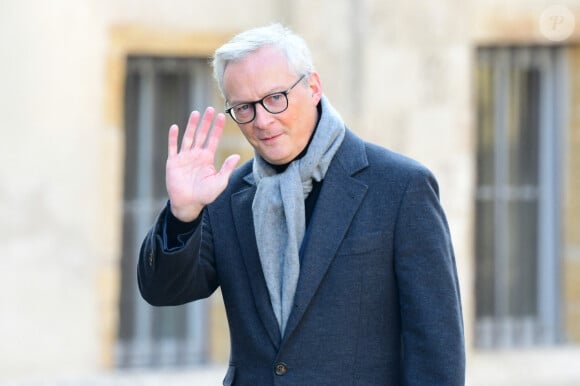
column 378, row 298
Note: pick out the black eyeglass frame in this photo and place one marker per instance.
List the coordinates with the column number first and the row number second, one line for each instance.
column 261, row 101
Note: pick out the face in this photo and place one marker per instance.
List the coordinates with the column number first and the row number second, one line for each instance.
column 278, row 138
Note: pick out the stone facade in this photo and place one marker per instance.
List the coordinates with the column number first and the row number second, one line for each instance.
column 571, row 207
column 400, row 73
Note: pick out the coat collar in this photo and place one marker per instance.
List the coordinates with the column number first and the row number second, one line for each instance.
column 340, row 197
column 244, row 224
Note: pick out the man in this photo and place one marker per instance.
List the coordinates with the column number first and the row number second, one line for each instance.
column 333, row 255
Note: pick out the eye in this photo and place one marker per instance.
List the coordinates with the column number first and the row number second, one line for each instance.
column 276, row 97
column 275, row 101
column 242, row 108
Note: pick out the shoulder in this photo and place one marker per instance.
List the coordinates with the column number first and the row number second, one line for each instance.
column 240, row 180
column 383, row 162
column 242, row 174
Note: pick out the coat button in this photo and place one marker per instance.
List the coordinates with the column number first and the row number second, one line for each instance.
column 280, row 368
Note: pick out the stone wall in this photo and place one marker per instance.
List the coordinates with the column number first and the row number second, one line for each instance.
column 571, row 207
column 400, row 73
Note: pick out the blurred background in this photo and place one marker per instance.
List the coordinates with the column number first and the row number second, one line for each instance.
column 485, row 93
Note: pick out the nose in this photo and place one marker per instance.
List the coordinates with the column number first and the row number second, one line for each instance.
column 262, row 118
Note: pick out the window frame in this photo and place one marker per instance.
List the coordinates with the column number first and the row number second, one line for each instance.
column 150, row 336
column 501, row 329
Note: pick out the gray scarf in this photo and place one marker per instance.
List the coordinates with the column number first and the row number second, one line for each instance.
column 278, row 210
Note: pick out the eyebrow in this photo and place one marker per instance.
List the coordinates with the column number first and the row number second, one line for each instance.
column 273, row 90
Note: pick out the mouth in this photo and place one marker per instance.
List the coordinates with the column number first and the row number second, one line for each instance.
column 270, row 138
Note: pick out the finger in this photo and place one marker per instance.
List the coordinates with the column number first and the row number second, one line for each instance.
column 216, row 133
column 189, row 135
column 172, row 140
column 204, row 127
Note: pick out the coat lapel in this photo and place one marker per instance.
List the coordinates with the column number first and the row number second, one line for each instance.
column 244, row 223
column 339, row 200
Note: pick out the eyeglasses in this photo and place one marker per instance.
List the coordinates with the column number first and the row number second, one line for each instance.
column 274, row 103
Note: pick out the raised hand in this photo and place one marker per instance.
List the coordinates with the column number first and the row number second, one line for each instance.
column 190, row 175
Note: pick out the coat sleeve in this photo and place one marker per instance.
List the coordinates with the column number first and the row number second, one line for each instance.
column 177, row 274
column 430, row 303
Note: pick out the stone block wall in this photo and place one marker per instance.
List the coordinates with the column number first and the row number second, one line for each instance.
column 571, row 206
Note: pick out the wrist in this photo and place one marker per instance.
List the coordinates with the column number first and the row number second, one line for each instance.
column 185, row 214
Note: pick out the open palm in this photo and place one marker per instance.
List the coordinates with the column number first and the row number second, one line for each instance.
column 191, row 178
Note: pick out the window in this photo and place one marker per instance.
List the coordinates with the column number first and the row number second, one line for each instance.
column 519, row 122
column 158, row 92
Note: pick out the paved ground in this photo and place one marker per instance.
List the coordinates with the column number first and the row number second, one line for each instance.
column 517, row 369
column 204, row 376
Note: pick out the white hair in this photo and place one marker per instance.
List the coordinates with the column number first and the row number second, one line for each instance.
column 247, row 42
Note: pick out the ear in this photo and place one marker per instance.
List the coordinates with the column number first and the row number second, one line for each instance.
column 315, row 87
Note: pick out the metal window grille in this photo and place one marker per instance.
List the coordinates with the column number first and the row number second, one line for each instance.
column 158, row 92
column 520, row 94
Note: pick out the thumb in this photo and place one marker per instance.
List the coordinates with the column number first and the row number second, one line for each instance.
column 229, row 165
